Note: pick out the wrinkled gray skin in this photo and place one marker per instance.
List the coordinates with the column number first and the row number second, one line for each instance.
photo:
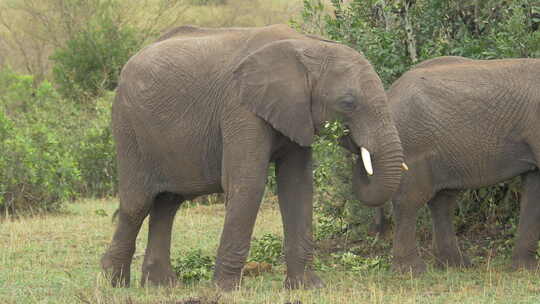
column 206, row 110
column 464, row 124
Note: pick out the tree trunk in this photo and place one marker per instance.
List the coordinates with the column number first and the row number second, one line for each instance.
column 411, row 40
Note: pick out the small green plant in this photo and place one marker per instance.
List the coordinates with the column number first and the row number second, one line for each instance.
column 353, row 262
column 193, row 266
column 327, row 227
column 267, row 248
column 101, row 212
column 350, row 261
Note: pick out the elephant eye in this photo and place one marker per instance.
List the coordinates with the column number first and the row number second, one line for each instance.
column 347, row 103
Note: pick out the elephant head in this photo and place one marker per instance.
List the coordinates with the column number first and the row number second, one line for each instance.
column 284, row 80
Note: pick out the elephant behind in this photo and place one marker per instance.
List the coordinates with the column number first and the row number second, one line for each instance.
column 463, row 124
column 206, row 110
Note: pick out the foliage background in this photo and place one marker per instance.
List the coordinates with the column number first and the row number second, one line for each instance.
column 61, row 59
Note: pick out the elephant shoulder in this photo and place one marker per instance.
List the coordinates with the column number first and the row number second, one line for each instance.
column 439, row 61
column 426, row 75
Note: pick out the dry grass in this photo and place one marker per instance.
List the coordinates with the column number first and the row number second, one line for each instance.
column 30, row 30
column 55, row 259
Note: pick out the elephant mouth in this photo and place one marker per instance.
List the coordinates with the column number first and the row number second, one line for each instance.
column 348, row 143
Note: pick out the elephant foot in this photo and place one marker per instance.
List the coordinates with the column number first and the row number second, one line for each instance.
column 309, row 280
column 158, row 274
column 414, row 265
column 227, row 283
column 447, row 259
column 117, row 274
column 529, row 263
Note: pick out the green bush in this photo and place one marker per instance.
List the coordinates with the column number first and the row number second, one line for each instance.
column 52, row 151
column 37, row 168
column 193, row 266
column 91, row 60
column 95, row 152
column 482, row 29
column 332, row 179
column 268, row 248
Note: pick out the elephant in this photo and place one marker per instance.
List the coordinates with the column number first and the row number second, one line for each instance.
column 463, row 124
column 206, row 110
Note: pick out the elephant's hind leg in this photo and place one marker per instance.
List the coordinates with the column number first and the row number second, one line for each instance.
column 445, row 245
column 116, row 262
column 524, row 255
column 156, row 268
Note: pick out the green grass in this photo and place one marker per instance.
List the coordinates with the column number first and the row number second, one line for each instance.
column 55, row 259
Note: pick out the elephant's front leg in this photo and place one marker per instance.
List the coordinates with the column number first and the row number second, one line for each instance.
column 406, row 258
column 295, row 191
column 445, row 245
column 524, row 255
column 244, row 169
column 380, row 225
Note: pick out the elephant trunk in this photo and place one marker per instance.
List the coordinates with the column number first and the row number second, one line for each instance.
column 378, row 169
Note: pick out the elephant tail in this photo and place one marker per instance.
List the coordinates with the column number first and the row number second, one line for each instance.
column 115, row 215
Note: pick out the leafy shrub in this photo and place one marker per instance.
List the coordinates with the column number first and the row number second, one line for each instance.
column 267, row 248
column 332, row 179
column 193, row 266
column 492, row 209
column 52, row 151
column 91, row 60
column 484, row 30
column 37, row 168
column 95, row 151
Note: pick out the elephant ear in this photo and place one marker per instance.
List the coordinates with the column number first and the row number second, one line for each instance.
column 274, row 84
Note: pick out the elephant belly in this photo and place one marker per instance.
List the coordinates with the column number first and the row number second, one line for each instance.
column 484, row 170
column 186, row 159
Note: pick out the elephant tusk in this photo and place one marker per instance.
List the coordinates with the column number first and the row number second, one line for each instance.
column 404, row 166
column 366, row 159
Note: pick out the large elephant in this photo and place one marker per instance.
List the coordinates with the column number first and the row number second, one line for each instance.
column 463, row 124
column 206, row 110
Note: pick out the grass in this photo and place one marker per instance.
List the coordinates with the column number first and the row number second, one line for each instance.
column 55, row 259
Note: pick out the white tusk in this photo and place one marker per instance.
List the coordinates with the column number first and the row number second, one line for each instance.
column 366, row 159
column 404, row 166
